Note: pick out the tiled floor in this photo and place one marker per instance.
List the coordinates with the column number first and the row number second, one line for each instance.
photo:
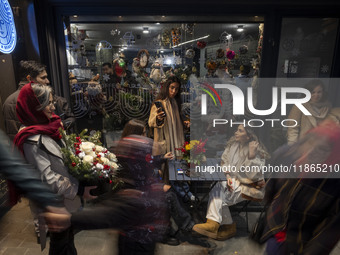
column 17, row 238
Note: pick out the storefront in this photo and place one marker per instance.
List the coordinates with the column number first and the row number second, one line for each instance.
column 284, row 40
column 147, row 41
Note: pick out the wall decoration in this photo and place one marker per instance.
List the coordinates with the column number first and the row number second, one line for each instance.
column 157, row 73
column 166, row 38
column 176, row 36
column 129, row 38
column 8, row 34
column 103, row 45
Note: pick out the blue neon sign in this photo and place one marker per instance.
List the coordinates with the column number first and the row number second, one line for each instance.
column 8, row 34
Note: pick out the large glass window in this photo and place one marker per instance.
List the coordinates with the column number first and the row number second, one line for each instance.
column 116, row 69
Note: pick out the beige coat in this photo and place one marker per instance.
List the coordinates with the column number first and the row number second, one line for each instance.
column 236, row 156
column 305, row 122
column 168, row 135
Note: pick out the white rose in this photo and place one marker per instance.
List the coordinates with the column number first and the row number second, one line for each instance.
column 99, row 166
column 99, row 148
column 101, row 155
column 88, row 159
column 81, row 154
column 105, row 160
column 113, row 165
column 112, row 157
column 92, row 154
column 86, row 147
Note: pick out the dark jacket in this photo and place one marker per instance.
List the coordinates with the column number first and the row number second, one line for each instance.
column 307, row 209
column 24, row 176
column 12, row 123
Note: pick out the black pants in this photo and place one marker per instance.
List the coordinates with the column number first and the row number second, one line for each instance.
column 62, row 243
column 126, row 246
column 180, row 215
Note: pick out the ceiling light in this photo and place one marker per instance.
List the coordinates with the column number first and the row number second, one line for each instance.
column 146, row 30
column 200, row 38
column 163, row 16
column 240, row 28
column 162, row 51
column 158, row 23
column 75, row 16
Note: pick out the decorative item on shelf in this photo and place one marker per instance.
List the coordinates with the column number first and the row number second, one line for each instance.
column 176, row 36
column 220, row 53
column 103, row 45
column 211, row 64
column 230, row 54
column 193, row 152
column 86, row 159
column 166, row 38
column 201, row 44
column 226, row 40
column 243, row 49
column 189, row 28
column 157, row 73
column 143, row 56
column 114, row 32
column 183, row 73
column 190, row 53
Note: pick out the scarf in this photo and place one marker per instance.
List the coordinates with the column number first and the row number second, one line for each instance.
column 174, row 126
column 35, row 122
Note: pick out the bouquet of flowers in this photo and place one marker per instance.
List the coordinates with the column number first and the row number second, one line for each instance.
column 193, row 151
column 86, row 159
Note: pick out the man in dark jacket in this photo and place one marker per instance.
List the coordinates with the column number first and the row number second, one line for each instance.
column 35, row 72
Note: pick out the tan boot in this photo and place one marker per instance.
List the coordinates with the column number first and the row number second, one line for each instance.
column 209, row 229
column 226, row 231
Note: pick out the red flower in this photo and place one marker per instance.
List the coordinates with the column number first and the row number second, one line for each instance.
column 94, row 149
column 148, row 158
column 106, row 167
column 74, row 164
column 98, row 156
column 110, row 181
column 77, row 152
column 106, row 151
column 60, row 136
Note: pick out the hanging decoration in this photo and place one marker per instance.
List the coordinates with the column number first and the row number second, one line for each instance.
column 230, row 54
column 201, row 44
column 189, row 28
column 190, row 53
column 115, row 32
column 226, row 39
column 166, row 38
column 157, row 73
column 220, row 53
column 243, row 49
column 176, row 36
column 211, row 64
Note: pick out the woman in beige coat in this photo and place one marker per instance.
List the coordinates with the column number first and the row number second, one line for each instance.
column 243, row 151
column 318, row 106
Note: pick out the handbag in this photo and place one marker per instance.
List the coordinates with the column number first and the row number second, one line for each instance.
column 257, row 231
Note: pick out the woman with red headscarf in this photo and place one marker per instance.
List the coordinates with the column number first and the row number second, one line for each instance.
column 40, row 141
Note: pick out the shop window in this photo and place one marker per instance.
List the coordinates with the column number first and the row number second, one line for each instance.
column 117, row 69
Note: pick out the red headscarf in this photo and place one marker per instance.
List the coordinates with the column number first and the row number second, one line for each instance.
column 36, row 122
